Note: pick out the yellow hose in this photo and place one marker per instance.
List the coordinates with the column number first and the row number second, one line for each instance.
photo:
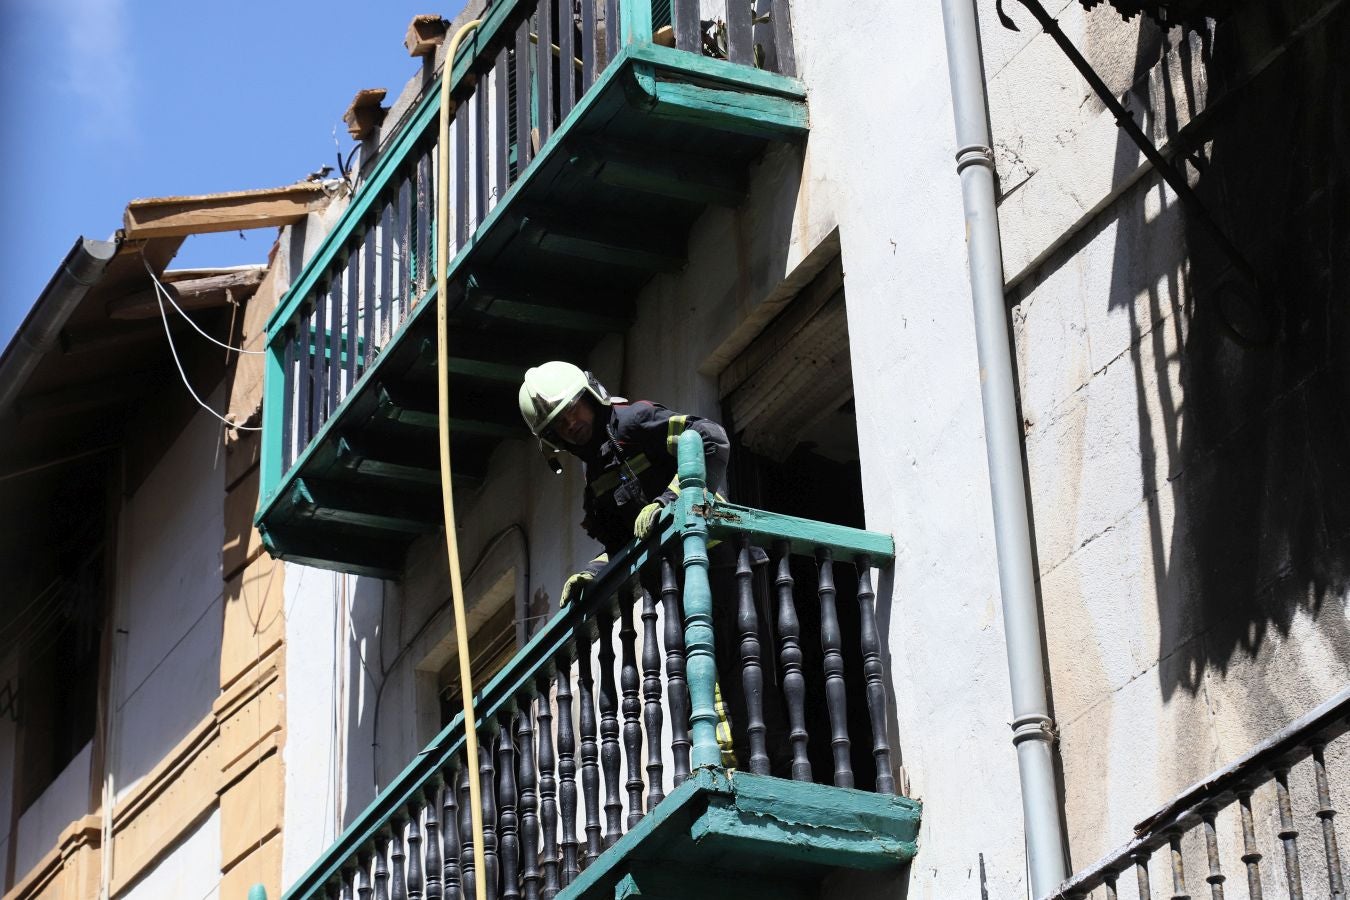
column 447, row 495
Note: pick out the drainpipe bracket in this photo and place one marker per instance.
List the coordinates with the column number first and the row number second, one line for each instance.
column 974, row 155
column 1033, row 727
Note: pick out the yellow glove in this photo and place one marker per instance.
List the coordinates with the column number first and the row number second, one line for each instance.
column 646, row 520
column 573, row 586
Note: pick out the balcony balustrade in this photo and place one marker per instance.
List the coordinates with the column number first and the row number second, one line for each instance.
column 1243, row 821
column 582, row 150
column 576, row 794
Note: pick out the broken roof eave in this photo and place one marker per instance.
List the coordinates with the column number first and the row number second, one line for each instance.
column 81, row 269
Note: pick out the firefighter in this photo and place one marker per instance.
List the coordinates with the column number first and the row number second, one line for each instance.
column 629, row 451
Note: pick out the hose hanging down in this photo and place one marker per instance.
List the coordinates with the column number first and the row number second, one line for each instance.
column 443, row 423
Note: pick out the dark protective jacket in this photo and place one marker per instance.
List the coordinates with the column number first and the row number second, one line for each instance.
column 632, row 462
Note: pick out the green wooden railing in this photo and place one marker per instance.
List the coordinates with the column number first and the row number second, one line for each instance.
column 515, row 91
column 413, row 840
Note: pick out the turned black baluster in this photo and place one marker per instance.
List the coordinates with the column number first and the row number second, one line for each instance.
column 508, row 843
column 873, row 672
column 652, row 717
column 1141, row 874
column 567, row 772
column 790, row 659
column 1251, row 856
column 609, row 730
column 529, row 805
column 489, row 796
column 675, row 675
column 435, row 889
column 416, row 882
column 831, row 643
column 348, row 873
column 450, row 842
column 363, row 889
column 1327, row 813
column 590, row 775
column 632, row 708
column 1179, row 891
column 1216, row 877
column 468, row 872
column 548, row 790
column 398, row 884
column 381, row 869
column 752, row 676
column 1288, row 835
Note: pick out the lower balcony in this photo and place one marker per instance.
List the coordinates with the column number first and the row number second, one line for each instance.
column 734, row 743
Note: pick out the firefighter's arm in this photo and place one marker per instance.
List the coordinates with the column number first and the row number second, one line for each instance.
column 664, row 430
column 574, row 585
column 716, row 451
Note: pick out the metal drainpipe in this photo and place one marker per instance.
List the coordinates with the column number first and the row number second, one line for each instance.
column 1033, row 729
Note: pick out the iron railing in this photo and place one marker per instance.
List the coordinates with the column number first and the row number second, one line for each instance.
column 414, row 840
column 512, row 94
column 1246, row 812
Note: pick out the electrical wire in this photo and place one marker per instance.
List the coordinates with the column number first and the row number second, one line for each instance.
column 483, row 555
column 164, row 317
column 161, row 289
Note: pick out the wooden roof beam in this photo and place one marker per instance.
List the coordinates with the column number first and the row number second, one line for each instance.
column 425, row 33
column 238, row 210
column 193, row 294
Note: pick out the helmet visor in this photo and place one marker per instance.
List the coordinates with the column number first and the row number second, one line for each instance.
column 547, row 429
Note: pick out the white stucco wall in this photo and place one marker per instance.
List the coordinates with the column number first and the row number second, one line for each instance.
column 168, row 605
column 65, row 800
column 1096, row 252
column 190, row 870
column 884, row 178
column 1167, row 461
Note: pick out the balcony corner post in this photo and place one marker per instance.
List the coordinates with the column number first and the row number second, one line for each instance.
column 273, row 421
column 698, row 627
column 635, row 20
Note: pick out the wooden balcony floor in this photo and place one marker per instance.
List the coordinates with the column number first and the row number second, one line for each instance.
column 552, row 268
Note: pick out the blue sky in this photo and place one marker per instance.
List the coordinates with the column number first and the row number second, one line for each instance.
column 109, row 100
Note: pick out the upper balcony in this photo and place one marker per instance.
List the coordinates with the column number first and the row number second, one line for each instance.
column 634, row 792
column 583, row 148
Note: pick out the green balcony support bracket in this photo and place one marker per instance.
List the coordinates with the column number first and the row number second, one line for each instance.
column 733, row 835
column 698, row 625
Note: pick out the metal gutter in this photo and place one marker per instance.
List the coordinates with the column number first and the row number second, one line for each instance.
column 1033, row 729
column 79, row 271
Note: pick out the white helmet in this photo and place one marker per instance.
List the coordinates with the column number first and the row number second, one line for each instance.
column 551, row 388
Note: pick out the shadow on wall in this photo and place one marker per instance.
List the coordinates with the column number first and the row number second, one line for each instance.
column 1257, row 443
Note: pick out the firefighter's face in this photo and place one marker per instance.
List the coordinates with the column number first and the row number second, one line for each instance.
column 576, row 422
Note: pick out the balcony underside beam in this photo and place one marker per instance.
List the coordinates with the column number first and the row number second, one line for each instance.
column 574, row 237
column 354, row 553
column 366, row 507
column 680, row 176
column 501, row 298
